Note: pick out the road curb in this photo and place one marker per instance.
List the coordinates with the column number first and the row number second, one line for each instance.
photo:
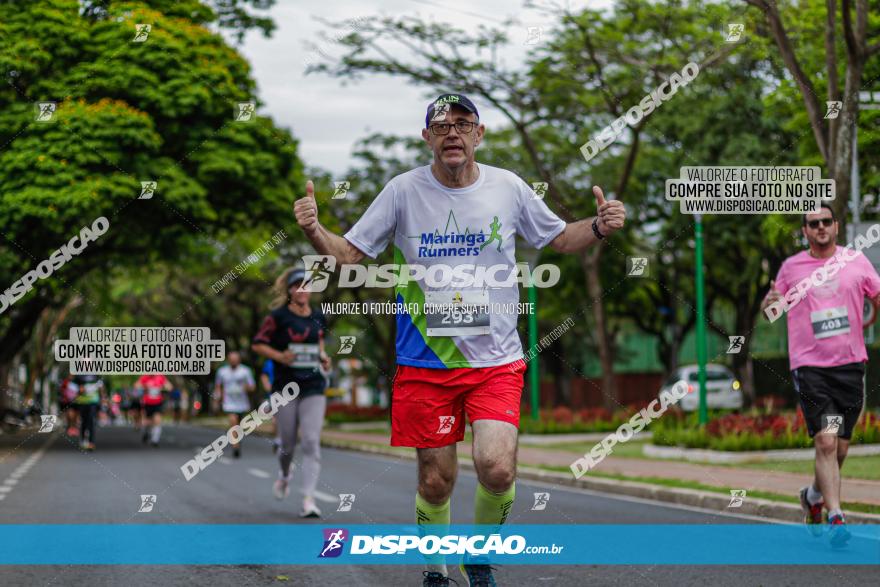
column 701, row 455
column 764, row 508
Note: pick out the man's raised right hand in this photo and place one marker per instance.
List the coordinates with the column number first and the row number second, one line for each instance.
column 306, row 211
column 773, row 295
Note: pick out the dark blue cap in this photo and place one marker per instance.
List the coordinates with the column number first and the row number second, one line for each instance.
column 295, row 276
column 452, row 100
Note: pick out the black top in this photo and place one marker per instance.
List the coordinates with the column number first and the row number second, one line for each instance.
column 282, row 328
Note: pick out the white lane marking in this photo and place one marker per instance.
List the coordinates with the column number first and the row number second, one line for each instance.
column 259, row 473
column 23, row 468
column 321, row 496
column 225, row 461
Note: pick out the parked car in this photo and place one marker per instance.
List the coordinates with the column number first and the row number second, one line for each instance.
column 723, row 391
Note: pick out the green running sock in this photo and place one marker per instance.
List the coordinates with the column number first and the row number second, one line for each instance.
column 438, row 515
column 492, row 508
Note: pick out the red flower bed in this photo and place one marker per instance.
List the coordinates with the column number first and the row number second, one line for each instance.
column 594, row 415
column 737, row 424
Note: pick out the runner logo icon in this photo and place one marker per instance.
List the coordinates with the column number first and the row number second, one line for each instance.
column 834, row 107
column 141, row 33
column 334, row 540
column 541, row 500
column 734, row 32
column 245, row 111
column 318, row 271
column 147, row 503
column 47, row 423
column 341, row 189
column 736, row 498
column 638, row 265
column 540, row 189
column 833, row 424
column 346, row 345
column 346, row 500
column 45, row 111
column 446, row 423
column 736, row 344
column 148, row 188
column 440, row 111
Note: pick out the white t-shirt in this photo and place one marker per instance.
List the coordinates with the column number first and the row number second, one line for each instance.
column 235, row 382
column 431, row 224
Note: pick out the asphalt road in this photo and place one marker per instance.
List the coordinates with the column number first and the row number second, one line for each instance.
column 45, row 479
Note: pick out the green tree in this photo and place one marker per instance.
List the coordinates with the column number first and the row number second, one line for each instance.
column 126, row 112
column 826, row 47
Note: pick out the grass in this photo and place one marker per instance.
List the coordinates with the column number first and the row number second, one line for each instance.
column 854, row 467
column 856, row 507
column 867, row 467
column 631, row 449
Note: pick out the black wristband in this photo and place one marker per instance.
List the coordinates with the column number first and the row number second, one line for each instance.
column 598, row 234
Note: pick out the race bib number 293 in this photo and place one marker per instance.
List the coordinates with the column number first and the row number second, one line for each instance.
column 457, row 313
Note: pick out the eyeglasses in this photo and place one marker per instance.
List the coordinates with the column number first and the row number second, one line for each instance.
column 826, row 222
column 462, row 126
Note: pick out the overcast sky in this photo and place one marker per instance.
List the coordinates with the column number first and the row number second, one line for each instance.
column 328, row 118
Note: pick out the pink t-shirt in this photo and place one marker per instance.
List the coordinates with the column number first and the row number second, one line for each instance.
column 825, row 328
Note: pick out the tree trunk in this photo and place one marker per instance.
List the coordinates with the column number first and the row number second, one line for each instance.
column 841, row 159
column 590, row 263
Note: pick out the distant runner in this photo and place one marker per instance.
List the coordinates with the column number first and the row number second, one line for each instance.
column 826, row 349
column 89, row 389
column 292, row 335
column 234, row 382
column 153, row 388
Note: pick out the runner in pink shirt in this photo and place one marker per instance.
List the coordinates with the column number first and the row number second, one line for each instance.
column 826, row 349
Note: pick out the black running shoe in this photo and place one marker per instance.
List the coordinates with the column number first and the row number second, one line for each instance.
column 478, row 575
column 435, row 579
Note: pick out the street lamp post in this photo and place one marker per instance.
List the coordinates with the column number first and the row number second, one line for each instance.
column 530, row 255
column 701, row 318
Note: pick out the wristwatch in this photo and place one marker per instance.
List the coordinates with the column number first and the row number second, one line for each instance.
column 598, row 234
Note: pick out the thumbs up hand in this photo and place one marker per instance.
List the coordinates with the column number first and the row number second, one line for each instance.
column 611, row 215
column 773, row 295
column 306, row 211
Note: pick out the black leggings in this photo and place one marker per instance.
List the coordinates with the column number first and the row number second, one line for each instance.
column 88, row 415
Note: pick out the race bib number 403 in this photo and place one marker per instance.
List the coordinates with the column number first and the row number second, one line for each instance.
column 830, row 322
column 457, row 313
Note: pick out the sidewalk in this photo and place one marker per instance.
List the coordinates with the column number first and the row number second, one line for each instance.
column 861, row 491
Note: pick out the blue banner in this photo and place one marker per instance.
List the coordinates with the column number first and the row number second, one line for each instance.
column 357, row 544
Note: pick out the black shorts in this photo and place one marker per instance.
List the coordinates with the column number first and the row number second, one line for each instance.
column 149, row 410
column 828, row 393
column 135, row 404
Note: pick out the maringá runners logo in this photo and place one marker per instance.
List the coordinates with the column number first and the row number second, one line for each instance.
column 453, row 242
column 334, row 541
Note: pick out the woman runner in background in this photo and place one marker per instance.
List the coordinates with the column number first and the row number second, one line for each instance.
column 292, row 335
